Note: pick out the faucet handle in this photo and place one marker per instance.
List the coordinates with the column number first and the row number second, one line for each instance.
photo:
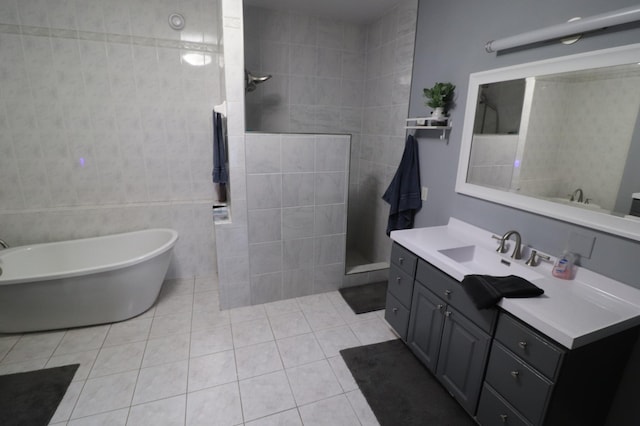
column 502, row 247
column 533, row 258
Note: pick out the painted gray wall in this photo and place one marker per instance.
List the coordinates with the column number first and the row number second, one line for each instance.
column 449, row 46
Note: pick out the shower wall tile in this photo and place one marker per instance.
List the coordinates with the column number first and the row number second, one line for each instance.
column 298, row 153
column 265, row 225
column 329, row 219
column 265, row 257
column 264, row 191
column 297, row 254
column 298, row 189
column 266, row 288
column 297, row 222
column 330, row 188
column 297, row 283
column 263, row 153
column 329, row 249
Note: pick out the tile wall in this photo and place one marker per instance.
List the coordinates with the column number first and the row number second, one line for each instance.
column 388, row 69
column 104, row 126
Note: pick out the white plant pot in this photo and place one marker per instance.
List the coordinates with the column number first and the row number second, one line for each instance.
column 438, row 114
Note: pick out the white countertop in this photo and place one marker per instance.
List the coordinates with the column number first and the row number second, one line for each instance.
column 572, row 312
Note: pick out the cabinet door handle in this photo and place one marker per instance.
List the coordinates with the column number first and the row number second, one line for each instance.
column 398, row 279
column 439, row 306
column 522, row 344
column 447, row 313
column 401, row 260
column 395, row 310
column 504, row 418
column 447, row 293
column 515, row 374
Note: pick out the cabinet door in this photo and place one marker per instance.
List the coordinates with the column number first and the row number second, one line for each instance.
column 462, row 360
column 425, row 326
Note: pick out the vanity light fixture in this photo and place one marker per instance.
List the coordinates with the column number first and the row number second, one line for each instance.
column 571, row 28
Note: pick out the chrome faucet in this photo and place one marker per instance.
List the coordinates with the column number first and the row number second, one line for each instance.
column 517, row 254
column 578, row 192
column 4, row 244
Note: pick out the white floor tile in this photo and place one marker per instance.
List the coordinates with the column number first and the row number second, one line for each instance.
column 85, row 359
column 290, row 324
column 334, row 340
column 212, row 370
column 112, row 418
column 177, row 286
column 167, row 325
column 321, row 319
column 251, row 332
column 207, row 301
column 175, row 304
column 206, row 284
column 105, row 394
column 212, row 340
column 165, row 412
column 6, row 343
column 135, row 330
column 204, row 320
column 161, row 381
column 299, row 350
column 372, row 331
column 286, row 418
column 313, row 382
column 265, row 395
column 281, row 307
column 118, row 359
column 335, row 411
column 258, row 359
column 166, row 349
column 34, row 346
column 82, row 339
column 21, row 367
column 247, row 313
column 219, row 405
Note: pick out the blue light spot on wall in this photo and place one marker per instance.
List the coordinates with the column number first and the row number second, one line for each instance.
column 516, row 164
column 81, row 161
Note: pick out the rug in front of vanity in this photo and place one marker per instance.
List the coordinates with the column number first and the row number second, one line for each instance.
column 32, row 398
column 399, row 389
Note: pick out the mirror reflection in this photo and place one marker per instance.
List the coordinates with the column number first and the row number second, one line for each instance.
column 565, row 138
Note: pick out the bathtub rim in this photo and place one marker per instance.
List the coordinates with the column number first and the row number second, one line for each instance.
column 93, row 270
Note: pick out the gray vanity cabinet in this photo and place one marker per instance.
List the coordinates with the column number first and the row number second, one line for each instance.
column 452, row 346
column 400, row 289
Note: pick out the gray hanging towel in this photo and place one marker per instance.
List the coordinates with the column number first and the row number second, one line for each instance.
column 403, row 194
column 220, row 173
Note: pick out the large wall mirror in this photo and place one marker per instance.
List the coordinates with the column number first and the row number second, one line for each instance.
column 558, row 137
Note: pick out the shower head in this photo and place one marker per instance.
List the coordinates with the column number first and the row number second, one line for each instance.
column 250, row 80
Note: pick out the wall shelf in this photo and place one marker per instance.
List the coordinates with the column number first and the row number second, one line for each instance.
column 414, row 124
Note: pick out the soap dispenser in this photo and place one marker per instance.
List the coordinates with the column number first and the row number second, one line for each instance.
column 564, row 267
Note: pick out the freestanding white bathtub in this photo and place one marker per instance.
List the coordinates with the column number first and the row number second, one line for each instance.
column 82, row 282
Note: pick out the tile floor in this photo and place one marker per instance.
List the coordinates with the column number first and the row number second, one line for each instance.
column 185, row 362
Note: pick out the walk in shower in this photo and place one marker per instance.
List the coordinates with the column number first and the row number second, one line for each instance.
column 336, row 76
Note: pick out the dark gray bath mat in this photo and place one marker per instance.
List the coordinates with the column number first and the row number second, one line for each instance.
column 399, row 389
column 32, row 398
column 366, row 298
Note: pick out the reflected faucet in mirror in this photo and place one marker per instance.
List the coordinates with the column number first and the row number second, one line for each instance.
column 580, row 195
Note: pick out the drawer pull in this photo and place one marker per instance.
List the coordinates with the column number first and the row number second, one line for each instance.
column 523, row 345
column 447, row 313
column 401, row 260
column 447, row 293
column 439, row 307
column 398, row 279
column 515, row 374
column 395, row 310
column 504, row 418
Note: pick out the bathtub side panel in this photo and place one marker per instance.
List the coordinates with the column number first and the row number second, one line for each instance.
column 85, row 300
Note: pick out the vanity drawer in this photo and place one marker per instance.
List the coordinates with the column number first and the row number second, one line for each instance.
column 493, row 410
column 529, row 345
column 400, row 285
column 397, row 316
column 452, row 292
column 523, row 387
column 403, row 259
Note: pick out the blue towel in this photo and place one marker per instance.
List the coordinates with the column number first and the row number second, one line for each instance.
column 403, row 194
column 220, row 173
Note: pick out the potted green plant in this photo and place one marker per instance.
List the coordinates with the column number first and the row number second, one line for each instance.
column 439, row 97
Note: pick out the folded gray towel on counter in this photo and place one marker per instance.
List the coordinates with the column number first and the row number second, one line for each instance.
column 486, row 290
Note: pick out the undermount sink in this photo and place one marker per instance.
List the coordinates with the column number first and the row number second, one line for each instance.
column 478, row 260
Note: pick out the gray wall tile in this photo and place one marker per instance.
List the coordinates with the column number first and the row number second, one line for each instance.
column 329, row 249
column 298, row 253
column 266, row 288
column 330, row 188
column 298, row 189
column 297, row 222
column 265, row 225
column 265, row 257
column 330, row 219
column 262, row 153
column 297, row 282
column 298, row 153
column 264, row 191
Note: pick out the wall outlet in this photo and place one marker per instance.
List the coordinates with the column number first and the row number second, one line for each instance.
column 423, row 193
